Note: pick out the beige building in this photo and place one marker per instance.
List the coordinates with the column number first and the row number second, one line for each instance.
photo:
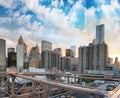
column 69, row 53
column 34, row 57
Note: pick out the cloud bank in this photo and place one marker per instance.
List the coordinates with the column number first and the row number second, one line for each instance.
column 63, row 22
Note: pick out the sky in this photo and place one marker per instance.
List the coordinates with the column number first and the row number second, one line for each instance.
column 62, row 22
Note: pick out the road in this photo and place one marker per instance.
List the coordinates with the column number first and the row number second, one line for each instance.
column 84, row 95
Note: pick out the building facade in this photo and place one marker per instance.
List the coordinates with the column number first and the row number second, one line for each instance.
column 100, row 34
column 69, row 53
column 34, row 57
column 20, row 57
column 21, row 42
column 65, row 64
column 45, row 45
column 21, row 50
column 73, row 48
column 50, row 59
column 12, row 58
column 2, row 55
column 83, row 59
column 58, row 50
column 92, row 57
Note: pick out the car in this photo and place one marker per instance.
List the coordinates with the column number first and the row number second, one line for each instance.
column 110, row 87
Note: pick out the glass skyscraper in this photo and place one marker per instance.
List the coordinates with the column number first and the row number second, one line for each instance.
column 100, row 34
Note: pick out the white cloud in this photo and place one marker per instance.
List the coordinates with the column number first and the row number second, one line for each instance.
column 59, row 27
column 55, row 3
column 70, row 1
column 6, row 3
column 90, row 18
column 5, row 20
column 23, row 20
column 61, row 3
column 74, row 11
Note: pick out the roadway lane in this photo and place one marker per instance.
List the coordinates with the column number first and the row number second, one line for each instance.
column 84, row 95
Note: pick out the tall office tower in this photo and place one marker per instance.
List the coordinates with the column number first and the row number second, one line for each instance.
column 50, row 59
column 26, row 62
column 110, row 60
column 73, row 48
column 93, row 57
column 116, row 62
column 55, row 60
column 21, row 42
column 45, row 45
column 34, row 57
column 102, row 56
column 69, row 53
column 74, row 64
column 65, row 64
column 58, row 50
column 12, row 58
column 100, row 34
column 20, row 57
column 2, row 55
column 46, row 59
column 21, row 50
column 83, row 59
column 11, row 50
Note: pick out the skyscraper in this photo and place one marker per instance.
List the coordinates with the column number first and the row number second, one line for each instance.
column 55, row 60
column 46, row 59
column 11, row 50
column 69, row 53
column 12, row 57
column 73, row 48
column 100, row 34
column 20, row 57
column 116, row 62
column 21, row 50
column 58, row 50
column 45, row 45
column 34, row 57
column 83, row 59
column 2, row 55
column 50, row 59
column 93, row 57
column 102, row 52
column 21, row 42
column 65, row 64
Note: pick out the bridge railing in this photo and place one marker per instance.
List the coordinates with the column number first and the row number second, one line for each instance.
column 116, row 89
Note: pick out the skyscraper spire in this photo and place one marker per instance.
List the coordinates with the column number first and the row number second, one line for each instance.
column 20, row 40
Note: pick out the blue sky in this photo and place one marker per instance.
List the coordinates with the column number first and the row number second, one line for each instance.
column 63, row 22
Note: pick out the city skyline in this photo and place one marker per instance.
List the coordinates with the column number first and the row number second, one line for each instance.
column 72, row 22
